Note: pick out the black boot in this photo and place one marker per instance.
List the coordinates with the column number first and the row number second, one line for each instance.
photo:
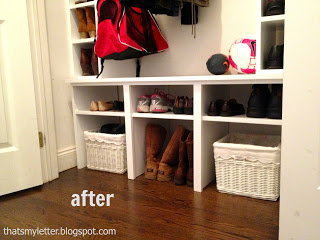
column 258, row 101
column 275, row 58
column 274, row 110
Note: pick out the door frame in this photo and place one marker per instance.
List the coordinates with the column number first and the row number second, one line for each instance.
column 43, row 87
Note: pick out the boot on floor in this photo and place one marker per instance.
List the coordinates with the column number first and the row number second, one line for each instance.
column 91, row 22
column 81, row 13
column 155, row 136
column 170, row 158
column 85, row 62
column 189, row 144
column 181, row 172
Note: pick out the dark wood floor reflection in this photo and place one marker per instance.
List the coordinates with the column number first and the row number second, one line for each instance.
column 141, row 209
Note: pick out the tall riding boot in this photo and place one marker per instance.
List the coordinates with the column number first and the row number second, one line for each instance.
column 91, row 22
column 155, row 136
column 170, row 157
column 81, row 13
column 85, row 61
column 94, row 63
column 189, row 144
column 181, row 172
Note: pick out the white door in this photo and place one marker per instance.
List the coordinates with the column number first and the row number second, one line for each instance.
column 20, row 166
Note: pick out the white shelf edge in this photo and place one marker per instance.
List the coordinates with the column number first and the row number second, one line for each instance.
column 83, row 41
column 243, row 119
column 275, row 77
column 275, row 18
column 82, row 5
column 97, row 113
column 163, row 116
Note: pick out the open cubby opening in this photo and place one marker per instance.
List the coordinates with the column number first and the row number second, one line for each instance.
column 84, row 95
column 139, row 136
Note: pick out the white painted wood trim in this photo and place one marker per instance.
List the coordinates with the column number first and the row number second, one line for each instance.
column 67, row 159
column 43, row 88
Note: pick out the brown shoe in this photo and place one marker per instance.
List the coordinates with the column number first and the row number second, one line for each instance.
column 85, row 62
column 170, row 157
column 189, row 144
column 105, row 106
column 155, row 136
column 94, row 63
column 94, row 106
column 181, row 172
column 81, row 13
column 91, row 22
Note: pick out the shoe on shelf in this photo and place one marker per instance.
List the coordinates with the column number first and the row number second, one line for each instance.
column 188, row 106
column 143, row 105
column 274, row 109
column 91, row 22
column 170, row 158
column 94, row 63
column 155, row 137
column 189, row 144
column 118, row 106
column 159, row 103
column 85, row 62
column 275, row 57
column 215, row 107
column 120, row 129
column 232, row 108
column 179, row 105
column 105, row 106
column 274, row 7
column 170, row 102
column 94, row 106
column 258, row 101
column 181, row 172
column 81, row 13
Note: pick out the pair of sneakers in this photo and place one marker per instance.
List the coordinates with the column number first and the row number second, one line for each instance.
column 158, row 102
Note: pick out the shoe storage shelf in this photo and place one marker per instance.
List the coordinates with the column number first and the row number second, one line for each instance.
column 270, row 32
column 206, row 129
column 76, row 41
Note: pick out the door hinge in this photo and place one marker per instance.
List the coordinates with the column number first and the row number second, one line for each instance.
column 41, row 140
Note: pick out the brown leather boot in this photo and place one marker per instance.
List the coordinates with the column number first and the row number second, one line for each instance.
column 181, row 172
column 94, row 63
column 189, row 144
column 170, row 157
column 91, row 22
column 81, row 13
column 85, row 62
column 155, row 136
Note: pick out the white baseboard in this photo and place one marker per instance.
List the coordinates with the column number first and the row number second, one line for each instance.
column 67, row 158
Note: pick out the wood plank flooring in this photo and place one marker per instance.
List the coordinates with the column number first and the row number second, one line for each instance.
column 141, row 209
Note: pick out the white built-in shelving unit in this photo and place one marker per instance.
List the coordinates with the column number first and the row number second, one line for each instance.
column 203, row 89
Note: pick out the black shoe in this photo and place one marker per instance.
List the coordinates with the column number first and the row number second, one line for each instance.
column 188, row 106
column 275, row 7
column 179, row 105
column 274, row 110
column 118, row 106
column 275, row 57
column 258, row 101
column 120, row 129
column 232, row 108
column 108, row 128
column 215, row 107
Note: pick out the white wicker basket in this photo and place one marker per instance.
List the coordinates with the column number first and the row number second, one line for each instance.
column 106, row 152
column 248, row 165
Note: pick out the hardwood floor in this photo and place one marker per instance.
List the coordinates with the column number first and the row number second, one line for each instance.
column 141, row 209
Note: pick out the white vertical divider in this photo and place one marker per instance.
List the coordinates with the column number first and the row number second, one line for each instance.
column 258, row 38
column 197, row 140
column 129, row 131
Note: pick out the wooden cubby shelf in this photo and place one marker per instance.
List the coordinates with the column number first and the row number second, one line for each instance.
column 168, row 115
column 82, row 5
column 97, row 113
column 243, row 119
